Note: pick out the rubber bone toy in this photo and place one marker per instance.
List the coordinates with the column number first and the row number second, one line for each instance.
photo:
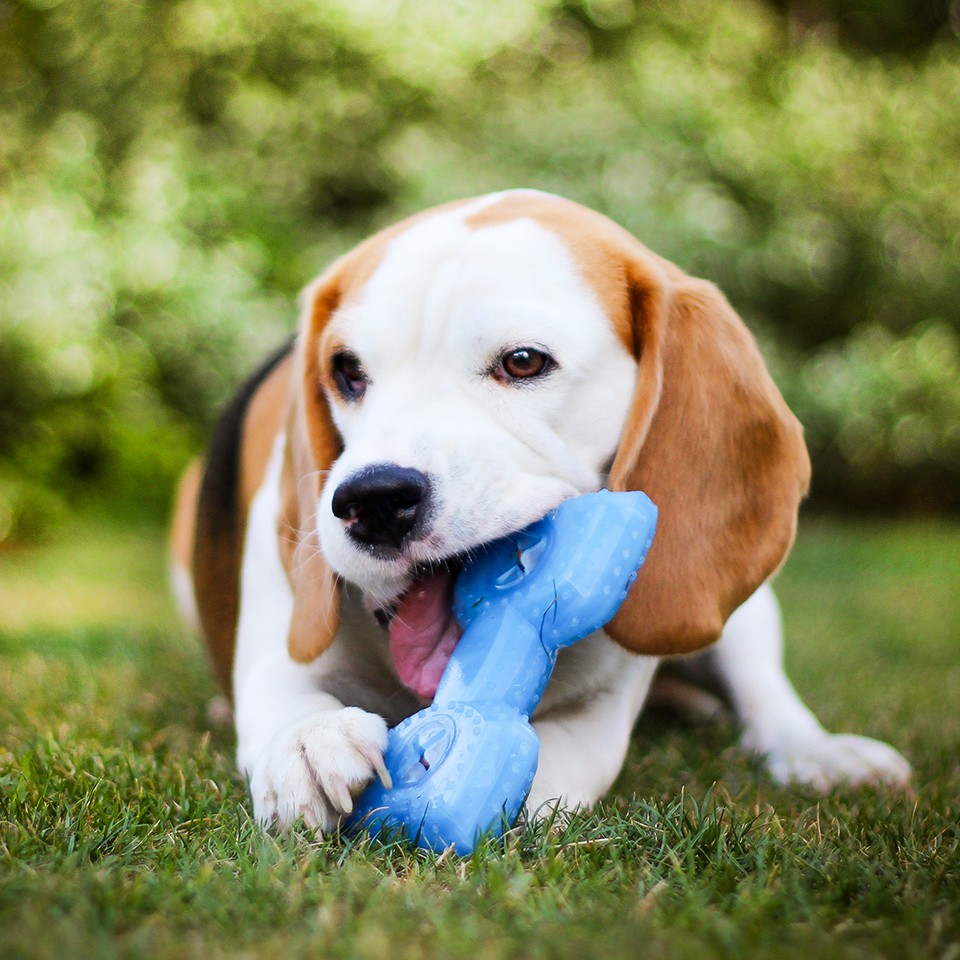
column 462, row 767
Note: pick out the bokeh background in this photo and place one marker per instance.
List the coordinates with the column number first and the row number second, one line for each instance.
column 172, row 172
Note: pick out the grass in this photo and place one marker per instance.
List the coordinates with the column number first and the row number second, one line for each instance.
column 124, row 830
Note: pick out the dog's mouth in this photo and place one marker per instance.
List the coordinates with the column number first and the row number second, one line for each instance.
column 423, row 630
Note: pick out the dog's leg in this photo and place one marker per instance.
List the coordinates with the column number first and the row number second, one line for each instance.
column 776, row 723
column 304, row 753
column 584, row 738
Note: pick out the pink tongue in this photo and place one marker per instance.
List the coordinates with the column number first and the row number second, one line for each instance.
column 424, row 633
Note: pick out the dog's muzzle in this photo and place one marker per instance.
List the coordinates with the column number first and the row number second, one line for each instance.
column 383, row 505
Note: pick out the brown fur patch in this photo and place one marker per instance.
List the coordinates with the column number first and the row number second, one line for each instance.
column 596, row 243
column 184, row 520
column 238, row 456
column 265, row 418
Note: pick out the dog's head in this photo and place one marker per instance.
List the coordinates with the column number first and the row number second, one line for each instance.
column 460, row 374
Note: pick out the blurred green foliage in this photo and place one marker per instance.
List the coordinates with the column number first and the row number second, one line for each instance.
column 172, row 172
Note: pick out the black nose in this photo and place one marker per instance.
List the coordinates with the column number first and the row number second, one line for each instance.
column 382, row 504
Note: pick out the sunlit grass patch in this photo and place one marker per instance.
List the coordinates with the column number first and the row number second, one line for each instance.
column 89, row 572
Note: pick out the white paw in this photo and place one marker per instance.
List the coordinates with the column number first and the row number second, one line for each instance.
column 314, row 768
column 547, row 797
column 545, row 805
column 827, row 760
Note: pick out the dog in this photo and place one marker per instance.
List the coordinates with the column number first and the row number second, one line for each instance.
column 454, row 378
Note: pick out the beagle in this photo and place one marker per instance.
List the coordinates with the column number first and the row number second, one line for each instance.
column 453, row 379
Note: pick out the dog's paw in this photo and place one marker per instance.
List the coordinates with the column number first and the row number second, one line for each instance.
column 314, row 768
column 828, row 760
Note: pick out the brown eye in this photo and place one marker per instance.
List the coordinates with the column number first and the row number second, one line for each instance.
column 349, row 376
column 524, row 363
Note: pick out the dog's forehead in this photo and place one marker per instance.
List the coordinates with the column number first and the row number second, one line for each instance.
column 520, row 256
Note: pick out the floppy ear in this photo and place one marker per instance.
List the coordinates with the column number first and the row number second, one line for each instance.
column 312, row 446
column 711, row 441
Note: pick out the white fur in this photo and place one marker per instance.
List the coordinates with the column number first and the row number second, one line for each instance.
column 776, row 724
column 303, row 752
column 585, row 721
column 442, row 305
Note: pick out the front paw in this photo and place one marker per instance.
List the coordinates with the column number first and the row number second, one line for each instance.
column 828, row 760
column 314, row 768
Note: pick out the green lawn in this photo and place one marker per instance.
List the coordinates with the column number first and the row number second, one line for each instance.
column 124, row 830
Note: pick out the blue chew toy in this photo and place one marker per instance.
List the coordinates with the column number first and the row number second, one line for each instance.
column 462, row 767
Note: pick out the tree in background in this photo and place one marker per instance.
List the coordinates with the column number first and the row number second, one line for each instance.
column 171, row 173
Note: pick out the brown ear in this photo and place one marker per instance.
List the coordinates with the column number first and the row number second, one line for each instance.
column 312, row 446
column 710, row 440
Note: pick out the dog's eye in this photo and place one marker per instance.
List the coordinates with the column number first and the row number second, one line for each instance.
column 349, row 376
column 523, row 363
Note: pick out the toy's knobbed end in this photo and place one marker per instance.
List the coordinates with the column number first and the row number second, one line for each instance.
column 590, row 548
